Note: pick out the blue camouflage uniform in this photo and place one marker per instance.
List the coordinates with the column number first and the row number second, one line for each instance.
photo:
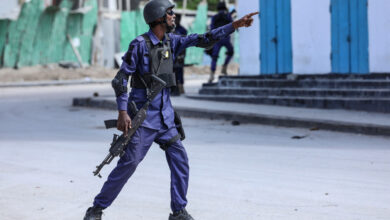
column 158, row 126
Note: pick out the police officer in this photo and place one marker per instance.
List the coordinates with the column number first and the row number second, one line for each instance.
column 154, row 53
column 178, row 66
column 220, row 19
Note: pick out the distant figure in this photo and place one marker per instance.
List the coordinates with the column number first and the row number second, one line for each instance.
column 222, row 18
column 178, row 65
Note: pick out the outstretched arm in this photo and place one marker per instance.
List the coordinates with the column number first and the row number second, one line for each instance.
column 208, row 39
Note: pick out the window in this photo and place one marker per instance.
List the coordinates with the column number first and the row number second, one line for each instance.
column 118, row 5
column 52, row 2
column 77, row 4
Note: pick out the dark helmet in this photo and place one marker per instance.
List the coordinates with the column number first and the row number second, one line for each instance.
column 221, row 6
column 156, row 9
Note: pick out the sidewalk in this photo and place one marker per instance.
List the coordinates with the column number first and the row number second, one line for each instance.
column 323, row 119
column 86, row 80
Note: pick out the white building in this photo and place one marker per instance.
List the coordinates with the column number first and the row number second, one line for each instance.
column 314, row 37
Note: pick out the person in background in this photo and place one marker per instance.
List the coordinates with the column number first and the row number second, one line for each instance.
column 178, row 65
column 222, row 18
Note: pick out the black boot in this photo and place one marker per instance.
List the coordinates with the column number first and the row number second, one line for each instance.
column 224, row 70
column 93, row 213
column 180, row 215
column 211, row 78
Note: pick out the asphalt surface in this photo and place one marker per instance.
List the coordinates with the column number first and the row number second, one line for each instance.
column 49, row 148
column 360, row 122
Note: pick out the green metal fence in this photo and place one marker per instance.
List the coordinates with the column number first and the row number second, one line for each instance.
column 194, row 55
column 39, row 35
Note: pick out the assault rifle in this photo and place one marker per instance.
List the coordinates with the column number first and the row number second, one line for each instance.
column 119, row 143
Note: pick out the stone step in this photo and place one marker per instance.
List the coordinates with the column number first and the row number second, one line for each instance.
column 349, row 103
column 265, row 91
column 306, row 83
column 312, row 76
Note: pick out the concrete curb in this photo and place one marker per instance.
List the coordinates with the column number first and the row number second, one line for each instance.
column 55, row 83
column 360, row 128
column 380, row 105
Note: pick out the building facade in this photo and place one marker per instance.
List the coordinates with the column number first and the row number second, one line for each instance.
column 316, row 37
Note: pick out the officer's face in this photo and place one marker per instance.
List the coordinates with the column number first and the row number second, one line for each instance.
column 170, row 17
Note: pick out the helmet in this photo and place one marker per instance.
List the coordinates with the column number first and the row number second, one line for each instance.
column 221, row 6
column 156, row 9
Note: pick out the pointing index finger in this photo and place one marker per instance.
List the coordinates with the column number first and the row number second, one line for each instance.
column 253, row 13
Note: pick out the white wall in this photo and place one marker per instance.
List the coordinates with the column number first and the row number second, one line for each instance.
column 249, row 39
column 110, row 47
column 379, row 35
column 9, row 9
column 311, row 36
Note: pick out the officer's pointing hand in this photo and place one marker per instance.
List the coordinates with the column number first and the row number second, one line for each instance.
column 245, row 21
column 124, row 122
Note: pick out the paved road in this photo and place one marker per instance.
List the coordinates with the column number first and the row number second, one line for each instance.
column 48, row 150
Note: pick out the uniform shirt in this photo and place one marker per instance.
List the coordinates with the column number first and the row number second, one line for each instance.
column 180, row 30
column 160, row 110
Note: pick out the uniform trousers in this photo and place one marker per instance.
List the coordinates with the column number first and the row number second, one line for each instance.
column 217, row 47
column 139, row 145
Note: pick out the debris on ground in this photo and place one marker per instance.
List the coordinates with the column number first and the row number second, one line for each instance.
column 299, row 137
column 235, row 123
